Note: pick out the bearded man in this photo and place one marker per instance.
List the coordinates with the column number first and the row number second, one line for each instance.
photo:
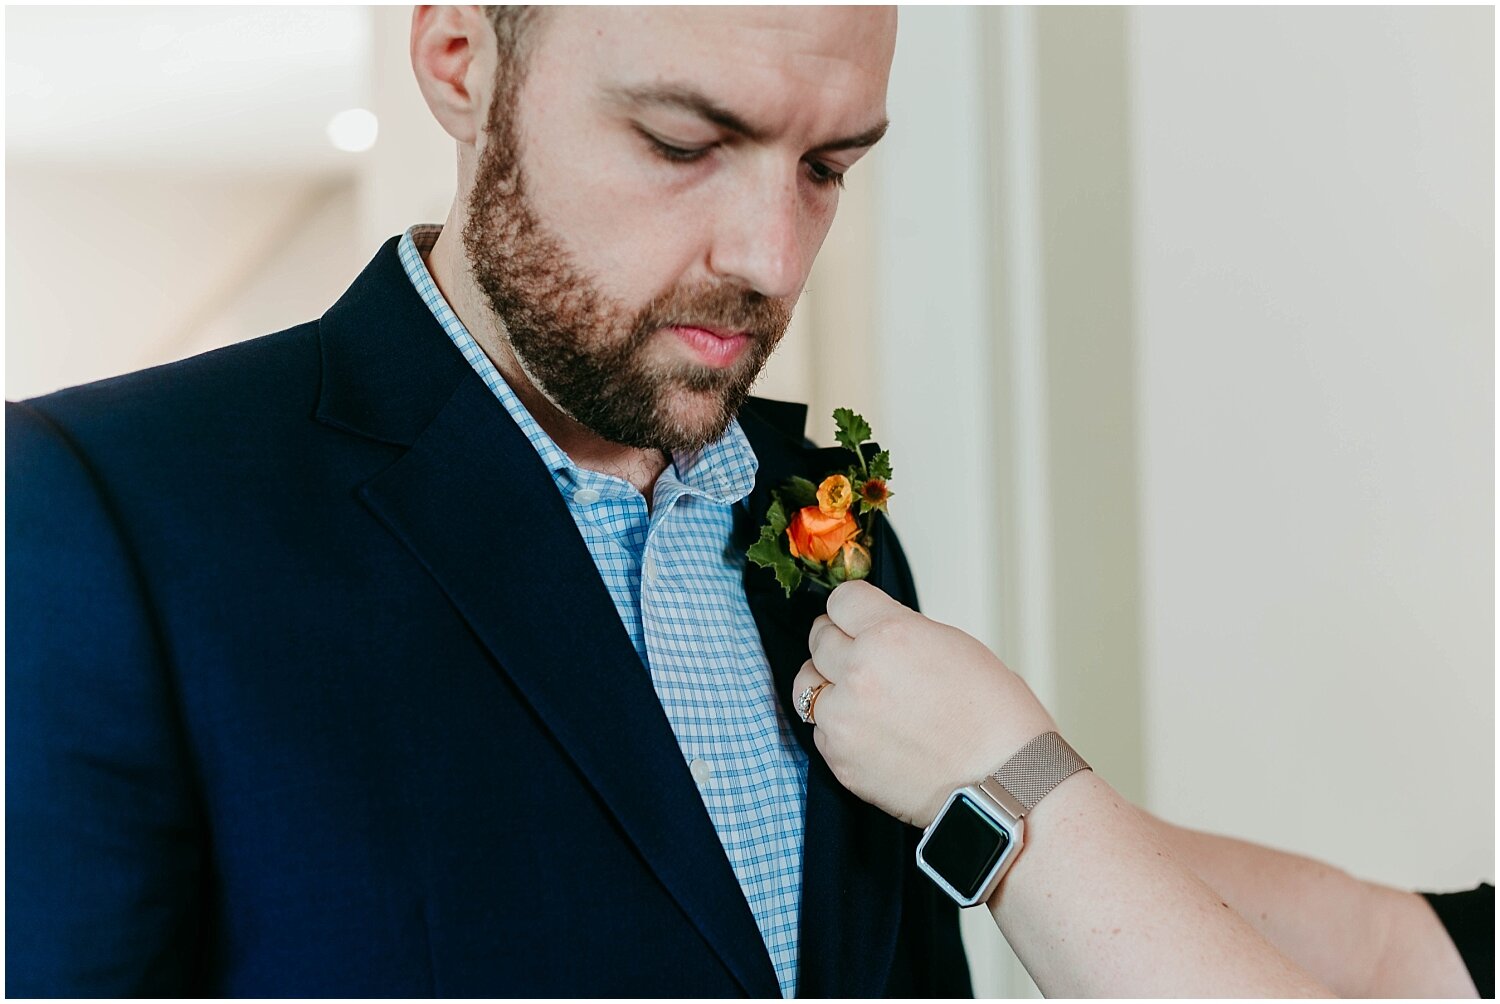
column 412, row 651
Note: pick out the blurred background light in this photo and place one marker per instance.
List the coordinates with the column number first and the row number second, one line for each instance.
column 353, row 130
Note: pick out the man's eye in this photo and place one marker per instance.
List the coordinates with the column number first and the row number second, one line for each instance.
column 676, row 154
column 822, row 174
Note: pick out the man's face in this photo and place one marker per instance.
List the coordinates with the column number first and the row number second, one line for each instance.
column 645, row 215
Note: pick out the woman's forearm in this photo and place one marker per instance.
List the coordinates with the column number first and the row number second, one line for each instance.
column 1097, row 905
column 1359, row 938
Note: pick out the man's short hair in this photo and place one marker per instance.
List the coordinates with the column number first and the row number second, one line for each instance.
column 515, row 29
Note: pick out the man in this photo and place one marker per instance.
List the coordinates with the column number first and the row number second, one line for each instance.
column 411, row 652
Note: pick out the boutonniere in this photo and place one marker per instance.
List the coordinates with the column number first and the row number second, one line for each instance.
column 824, row 532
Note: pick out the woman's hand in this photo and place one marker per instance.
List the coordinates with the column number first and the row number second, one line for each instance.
column 914, row 708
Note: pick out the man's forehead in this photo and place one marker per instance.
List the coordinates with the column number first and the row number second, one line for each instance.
column 852, row 31
column 758, row 63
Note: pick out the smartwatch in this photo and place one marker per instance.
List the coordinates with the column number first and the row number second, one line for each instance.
column 974, row 840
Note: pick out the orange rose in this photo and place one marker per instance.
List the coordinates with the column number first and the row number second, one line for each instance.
column 834, row 495
column 817, row 537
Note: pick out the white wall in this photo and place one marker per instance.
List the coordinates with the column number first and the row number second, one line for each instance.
column 930, row 341
column 1315, row 250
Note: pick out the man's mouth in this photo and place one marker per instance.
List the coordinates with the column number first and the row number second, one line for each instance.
column 713, row 347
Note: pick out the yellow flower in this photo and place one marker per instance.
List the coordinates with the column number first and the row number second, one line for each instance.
column 834, row 496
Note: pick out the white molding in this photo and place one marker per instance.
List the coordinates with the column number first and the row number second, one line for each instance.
column 939, row 340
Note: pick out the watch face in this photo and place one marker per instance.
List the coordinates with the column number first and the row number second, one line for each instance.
column 965, row 846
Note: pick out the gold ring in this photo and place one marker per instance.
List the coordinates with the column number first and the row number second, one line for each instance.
column 807, row 699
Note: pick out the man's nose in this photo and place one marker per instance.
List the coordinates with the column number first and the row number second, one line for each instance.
column 758, row 243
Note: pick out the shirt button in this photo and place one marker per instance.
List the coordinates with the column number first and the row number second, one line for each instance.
column 585, row 496
column 701, row 770
column 650, row 570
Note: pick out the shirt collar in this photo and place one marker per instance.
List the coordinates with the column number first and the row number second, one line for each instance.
column 723, row 471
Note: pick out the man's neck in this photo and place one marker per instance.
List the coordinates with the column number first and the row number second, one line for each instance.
column 450, row 270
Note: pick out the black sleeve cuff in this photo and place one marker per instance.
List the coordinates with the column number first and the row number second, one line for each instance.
column 1469, row 917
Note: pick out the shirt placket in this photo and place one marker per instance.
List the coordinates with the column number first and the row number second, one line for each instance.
column 689, row 682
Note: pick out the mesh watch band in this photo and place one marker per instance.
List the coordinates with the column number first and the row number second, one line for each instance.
column 1036, row 768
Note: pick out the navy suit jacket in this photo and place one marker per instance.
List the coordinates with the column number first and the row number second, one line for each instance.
column 313, row 688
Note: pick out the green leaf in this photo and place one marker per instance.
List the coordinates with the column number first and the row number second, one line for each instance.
column 880, row 465
column 852, row 430
column 789, row 578
column 776, row 520
column 800, row 493
column 768, row 552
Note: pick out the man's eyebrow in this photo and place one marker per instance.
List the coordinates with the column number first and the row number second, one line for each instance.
column 869, row 137
column 689, row 100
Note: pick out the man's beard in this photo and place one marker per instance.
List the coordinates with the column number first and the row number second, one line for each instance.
column 587, row 354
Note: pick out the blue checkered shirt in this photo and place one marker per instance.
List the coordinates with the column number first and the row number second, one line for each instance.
column 677, row 584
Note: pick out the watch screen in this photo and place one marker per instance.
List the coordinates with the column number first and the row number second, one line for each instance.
column 965, row 846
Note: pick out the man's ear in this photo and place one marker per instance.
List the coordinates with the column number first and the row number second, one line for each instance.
column 453, row 54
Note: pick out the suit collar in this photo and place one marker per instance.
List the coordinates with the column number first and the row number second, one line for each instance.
column 388, row 367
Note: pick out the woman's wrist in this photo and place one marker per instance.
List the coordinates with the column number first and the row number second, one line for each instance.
column 983, row 754
column 1052, row 828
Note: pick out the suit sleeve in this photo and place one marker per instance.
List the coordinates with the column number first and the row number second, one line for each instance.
column 104, row 849
column 894, row 575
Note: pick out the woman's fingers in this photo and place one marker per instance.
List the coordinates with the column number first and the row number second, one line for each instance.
column 829, row 647
column 810, row 689
column 855, row 607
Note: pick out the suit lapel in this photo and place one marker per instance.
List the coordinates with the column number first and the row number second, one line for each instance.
column 474, row 503
column 853, row 855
